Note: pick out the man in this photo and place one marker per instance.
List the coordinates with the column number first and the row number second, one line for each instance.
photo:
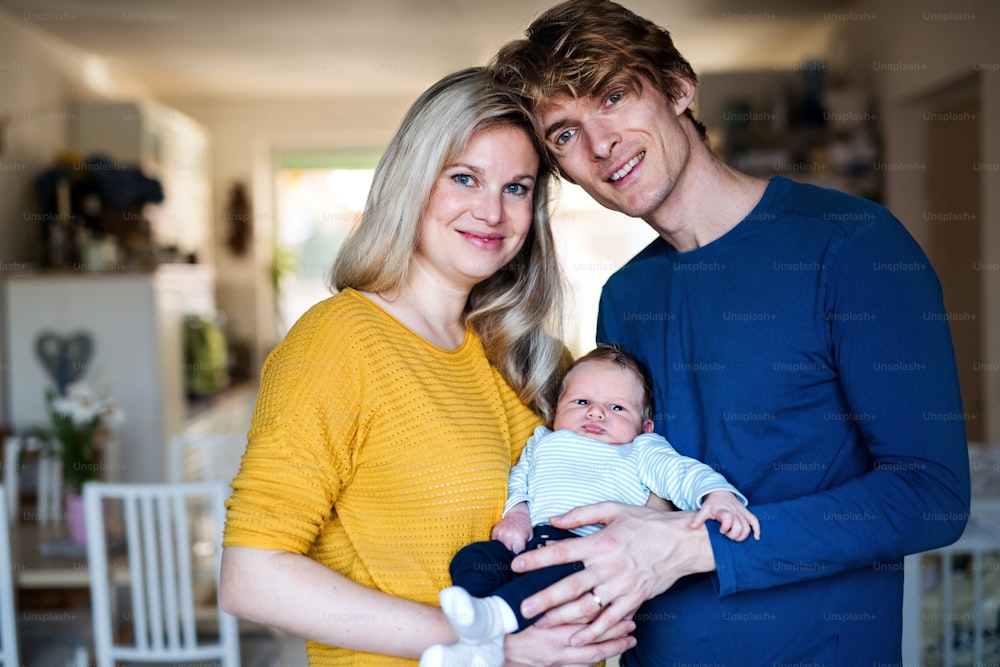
column 798, row 343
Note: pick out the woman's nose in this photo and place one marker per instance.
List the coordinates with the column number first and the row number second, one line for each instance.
column 489, row 209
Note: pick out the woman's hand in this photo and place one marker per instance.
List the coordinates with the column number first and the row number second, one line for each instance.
column 550, row 647
column 637, row 555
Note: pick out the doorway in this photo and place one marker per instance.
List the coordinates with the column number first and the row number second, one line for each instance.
column 954, row 218
column 318, row 199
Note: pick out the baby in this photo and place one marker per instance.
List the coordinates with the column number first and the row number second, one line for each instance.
column 601, row 448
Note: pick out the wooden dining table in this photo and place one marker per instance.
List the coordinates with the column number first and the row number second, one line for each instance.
column 43, row 557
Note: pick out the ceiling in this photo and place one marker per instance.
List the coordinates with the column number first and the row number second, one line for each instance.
column 323, row 48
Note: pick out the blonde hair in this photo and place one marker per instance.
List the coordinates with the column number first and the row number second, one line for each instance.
column 517, row 311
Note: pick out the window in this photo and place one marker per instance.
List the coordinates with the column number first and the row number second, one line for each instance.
column 321, row 196
column 318, row 199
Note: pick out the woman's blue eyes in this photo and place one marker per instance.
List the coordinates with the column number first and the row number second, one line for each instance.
column 468, row 180
column 614, row 97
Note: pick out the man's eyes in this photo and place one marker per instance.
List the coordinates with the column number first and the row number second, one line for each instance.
column 563, row 137
column 560, row 138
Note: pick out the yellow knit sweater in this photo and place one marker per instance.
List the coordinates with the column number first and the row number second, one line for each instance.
column 375, row 453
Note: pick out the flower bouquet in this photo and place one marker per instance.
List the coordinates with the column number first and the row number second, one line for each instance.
column 81, row 421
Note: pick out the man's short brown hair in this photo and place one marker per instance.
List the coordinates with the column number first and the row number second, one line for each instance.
column 581, row 48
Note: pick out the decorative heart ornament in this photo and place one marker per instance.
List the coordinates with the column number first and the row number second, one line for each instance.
column 65, row 358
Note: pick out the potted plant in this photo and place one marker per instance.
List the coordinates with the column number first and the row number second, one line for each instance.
column 81, row 422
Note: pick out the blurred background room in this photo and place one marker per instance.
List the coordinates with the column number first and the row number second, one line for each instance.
column 176, row 178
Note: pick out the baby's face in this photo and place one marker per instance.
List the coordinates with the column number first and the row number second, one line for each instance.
column 602, row 401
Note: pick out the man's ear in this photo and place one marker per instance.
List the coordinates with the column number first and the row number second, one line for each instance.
column 686, row 90
column 647, row 426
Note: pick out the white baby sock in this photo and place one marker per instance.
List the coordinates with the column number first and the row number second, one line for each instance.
column 489, row 654
column 477, row 620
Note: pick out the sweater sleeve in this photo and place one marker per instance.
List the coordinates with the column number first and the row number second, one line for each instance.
column 896, row 368
column 300, row 445
column 682, row 480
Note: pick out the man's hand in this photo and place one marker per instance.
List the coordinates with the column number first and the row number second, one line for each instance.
column 639, row 554
column 550, row 647
column 735, row 521
column 514, row 530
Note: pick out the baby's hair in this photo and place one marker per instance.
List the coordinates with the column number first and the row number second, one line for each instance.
column 617, row 354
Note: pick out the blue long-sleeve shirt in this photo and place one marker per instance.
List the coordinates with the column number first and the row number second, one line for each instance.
column 806, row 355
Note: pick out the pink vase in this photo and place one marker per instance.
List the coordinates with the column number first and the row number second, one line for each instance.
column 76, row 519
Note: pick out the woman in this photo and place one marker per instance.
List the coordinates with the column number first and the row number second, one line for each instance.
column 388, row 418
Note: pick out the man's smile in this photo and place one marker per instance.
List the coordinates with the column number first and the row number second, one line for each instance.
column 627, row 167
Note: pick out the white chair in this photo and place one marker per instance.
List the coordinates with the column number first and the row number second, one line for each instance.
column 48, row 641
column 208, row 457
column 950, row 616
column 172, row 535
column 48, row 484
column 8, row 623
